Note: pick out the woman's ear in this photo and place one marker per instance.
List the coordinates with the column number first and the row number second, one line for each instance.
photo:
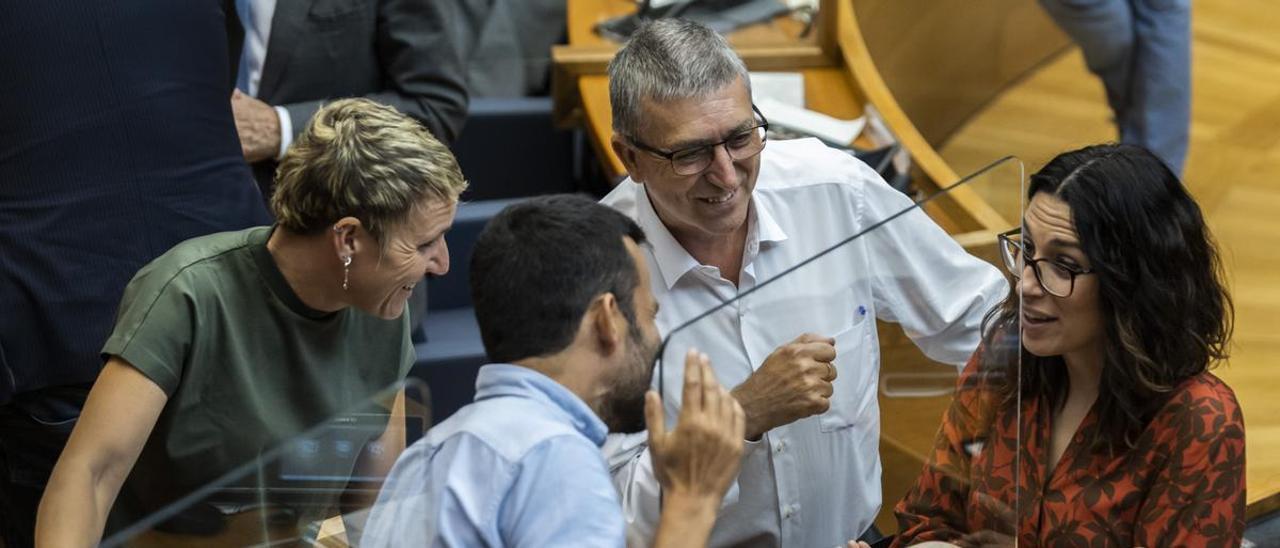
column 344, row 237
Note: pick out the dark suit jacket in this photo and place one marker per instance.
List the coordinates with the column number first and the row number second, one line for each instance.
column 116, row 142
column 404, row 53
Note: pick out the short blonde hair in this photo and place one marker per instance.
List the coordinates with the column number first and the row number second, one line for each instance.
column 360, row 159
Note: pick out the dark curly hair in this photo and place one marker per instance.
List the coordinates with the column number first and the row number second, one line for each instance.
column 1161, row 284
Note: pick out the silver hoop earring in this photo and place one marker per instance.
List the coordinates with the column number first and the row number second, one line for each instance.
column 346, row 271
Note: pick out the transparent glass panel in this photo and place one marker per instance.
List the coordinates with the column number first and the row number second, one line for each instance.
column 901, row 300
column 309, row 489
column 904, row 303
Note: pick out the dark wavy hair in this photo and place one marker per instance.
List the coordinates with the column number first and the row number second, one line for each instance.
column 1168, row 315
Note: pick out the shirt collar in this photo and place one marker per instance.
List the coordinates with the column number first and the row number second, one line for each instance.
column 257, row 239
column 503, row 379
column 767, row 228
column 672, row 259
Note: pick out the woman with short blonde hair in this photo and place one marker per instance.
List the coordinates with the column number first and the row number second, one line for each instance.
column 230, row 344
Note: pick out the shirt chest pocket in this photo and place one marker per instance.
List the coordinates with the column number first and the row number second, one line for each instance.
column 857, row 365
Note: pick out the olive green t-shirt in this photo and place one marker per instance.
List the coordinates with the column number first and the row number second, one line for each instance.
column 245, row 363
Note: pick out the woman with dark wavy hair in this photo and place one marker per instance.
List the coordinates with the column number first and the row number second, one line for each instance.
column 1103, row 427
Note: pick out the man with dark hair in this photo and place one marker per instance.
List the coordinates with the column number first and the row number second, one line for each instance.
column 565, row 310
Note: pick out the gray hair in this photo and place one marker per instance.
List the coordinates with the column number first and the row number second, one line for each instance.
column 669, row 59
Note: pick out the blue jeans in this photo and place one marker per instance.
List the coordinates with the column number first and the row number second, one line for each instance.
column 1141, row 49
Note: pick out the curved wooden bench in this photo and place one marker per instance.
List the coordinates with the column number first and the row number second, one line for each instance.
column 892, row 50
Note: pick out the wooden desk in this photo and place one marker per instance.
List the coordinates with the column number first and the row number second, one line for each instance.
column 253, row 527
column 778, row 44
column 583, row 15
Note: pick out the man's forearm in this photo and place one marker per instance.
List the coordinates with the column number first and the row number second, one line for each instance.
column 686, row 520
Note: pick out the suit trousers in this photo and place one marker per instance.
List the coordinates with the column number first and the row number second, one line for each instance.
column 34, row 428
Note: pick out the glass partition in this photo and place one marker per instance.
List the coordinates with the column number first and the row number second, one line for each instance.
column 310, row 489
column 923, row 404
column 904, row 304
column 951, row 438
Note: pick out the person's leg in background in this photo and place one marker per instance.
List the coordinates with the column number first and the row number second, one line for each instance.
column 1105, row 33
column 1160, row 108
column 1141, row 49
column 34, row 428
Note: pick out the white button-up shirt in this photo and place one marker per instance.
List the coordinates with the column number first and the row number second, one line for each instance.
column 814, row 482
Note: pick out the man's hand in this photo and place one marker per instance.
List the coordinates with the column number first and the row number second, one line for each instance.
column 258, row 126
column 695, row 462
column 700, row 457
column 794, row 383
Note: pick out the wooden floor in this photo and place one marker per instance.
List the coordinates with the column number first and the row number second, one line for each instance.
column 1233, row 170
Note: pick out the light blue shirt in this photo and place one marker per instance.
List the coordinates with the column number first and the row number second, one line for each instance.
column 520, row 466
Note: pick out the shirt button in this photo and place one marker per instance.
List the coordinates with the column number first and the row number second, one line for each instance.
column 780, row 447
column 790, row 511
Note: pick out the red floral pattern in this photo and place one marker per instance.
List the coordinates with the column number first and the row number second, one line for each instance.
column 1182, row 485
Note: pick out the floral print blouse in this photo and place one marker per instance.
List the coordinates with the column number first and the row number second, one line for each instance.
column 1182, row 485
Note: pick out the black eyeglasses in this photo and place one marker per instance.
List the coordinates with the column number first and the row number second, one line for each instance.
column 1055, row 278
column 694, row 160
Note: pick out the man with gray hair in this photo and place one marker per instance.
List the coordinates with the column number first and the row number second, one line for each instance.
column 723, row 214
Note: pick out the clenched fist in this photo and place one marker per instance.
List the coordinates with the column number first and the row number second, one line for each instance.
column 794, row 383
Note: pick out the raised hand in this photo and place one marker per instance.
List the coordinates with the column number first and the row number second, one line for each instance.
column 701, row 455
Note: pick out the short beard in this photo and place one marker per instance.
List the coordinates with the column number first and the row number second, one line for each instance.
column 623, row 408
